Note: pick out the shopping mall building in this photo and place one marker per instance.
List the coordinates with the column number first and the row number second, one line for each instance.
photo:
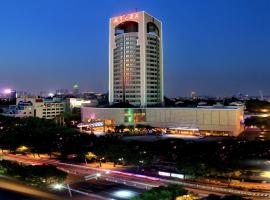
column 216, row 121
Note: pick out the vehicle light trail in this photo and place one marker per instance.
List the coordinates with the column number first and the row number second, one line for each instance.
column 135, row 180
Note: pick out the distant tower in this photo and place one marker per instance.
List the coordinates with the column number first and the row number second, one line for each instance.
column 135, row 59
column 193, row 95
column 261, row 95
column 76, row 90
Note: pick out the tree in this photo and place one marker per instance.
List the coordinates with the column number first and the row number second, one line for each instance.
column 120, row 128
column 40, row 175
column 165, row 193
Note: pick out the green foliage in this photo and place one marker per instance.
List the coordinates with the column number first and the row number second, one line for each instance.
column 71, row 118
column 258, row 121
column 42, row 136
column 165, row 193
column 256, row 105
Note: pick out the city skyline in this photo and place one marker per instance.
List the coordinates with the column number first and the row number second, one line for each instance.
column 213, row 48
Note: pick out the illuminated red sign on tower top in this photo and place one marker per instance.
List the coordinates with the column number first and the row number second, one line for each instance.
column 124, row 18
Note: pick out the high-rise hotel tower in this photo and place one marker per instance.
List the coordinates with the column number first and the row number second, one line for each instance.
column 135, row 60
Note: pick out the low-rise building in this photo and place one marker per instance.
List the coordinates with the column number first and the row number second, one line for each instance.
column 22, row 109
column 218, row 121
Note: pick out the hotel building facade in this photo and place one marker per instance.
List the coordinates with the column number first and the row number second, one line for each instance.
column 135, row 60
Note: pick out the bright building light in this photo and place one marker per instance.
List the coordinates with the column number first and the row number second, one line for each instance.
column 181, row 176
column 124, row 194
column 51, row 94
column 22, row 148
column 7, row 91
column 164, row 173
column 98, row 174
column 130, row 119
column 265, row 174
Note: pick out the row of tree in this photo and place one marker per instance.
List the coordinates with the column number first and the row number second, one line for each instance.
column 41, row 136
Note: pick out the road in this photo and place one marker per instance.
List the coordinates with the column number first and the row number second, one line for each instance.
column 108, row 190
column 135, row 180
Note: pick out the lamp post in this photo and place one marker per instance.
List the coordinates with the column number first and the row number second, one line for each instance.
column 59, row 186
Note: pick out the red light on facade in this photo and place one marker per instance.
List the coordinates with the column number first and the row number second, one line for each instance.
column 39, row 100
column 132, row 16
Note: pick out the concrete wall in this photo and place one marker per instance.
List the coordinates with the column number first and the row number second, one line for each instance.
column 202, row 118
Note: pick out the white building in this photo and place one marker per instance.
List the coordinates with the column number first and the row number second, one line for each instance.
column 37, row 107
column 79, row 102
column 225, row 121
column 21, row 109
column 135, row 59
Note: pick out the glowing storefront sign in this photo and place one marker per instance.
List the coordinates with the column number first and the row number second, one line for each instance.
column 168, row 174
column 181, row 176
column 164, row 173
column 128, row 17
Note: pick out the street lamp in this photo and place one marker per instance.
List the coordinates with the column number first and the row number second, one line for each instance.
column 7, row 91
column 125, row 194
column 57, row 186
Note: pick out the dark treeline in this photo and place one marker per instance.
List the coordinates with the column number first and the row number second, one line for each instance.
column 260, row 122
column 194, row 158
column 256, row 105
column 41, row 136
